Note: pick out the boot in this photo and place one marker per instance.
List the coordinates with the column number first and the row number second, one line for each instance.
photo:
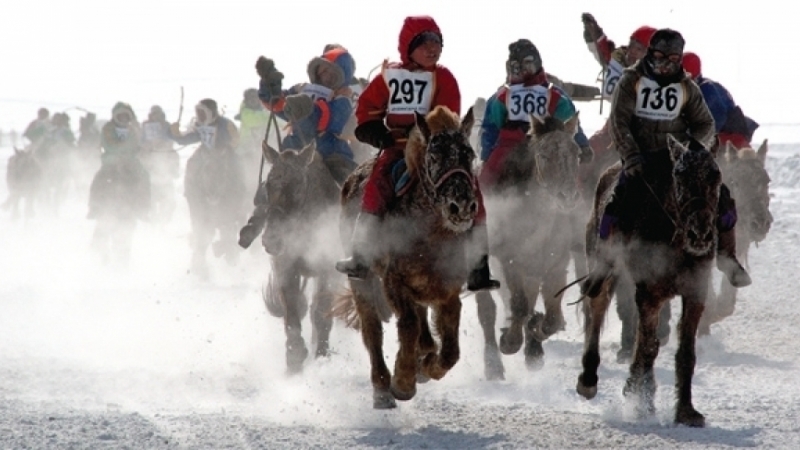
column 357, row 266
column 591, row 285
column 726, row 260
column 254, row 227
column 480, row 278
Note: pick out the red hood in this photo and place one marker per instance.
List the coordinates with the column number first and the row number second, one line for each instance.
column 413, row 26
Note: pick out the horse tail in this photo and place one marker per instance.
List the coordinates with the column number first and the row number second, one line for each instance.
column 344, row 309
column 272, row 298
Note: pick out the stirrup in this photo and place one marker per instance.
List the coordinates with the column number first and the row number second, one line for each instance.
column 353, row 267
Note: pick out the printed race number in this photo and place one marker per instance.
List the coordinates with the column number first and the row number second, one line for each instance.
column 523, row 102
column 409, row 92
column 658, row 102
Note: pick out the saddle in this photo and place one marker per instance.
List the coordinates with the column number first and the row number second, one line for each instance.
column 401, row 178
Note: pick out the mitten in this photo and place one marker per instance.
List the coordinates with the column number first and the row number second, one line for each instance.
column 298, row 107
column 591, row 30
column 374, row 133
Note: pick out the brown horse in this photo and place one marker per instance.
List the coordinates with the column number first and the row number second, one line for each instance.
column 744, row 172
column 529, row 209
column 423, row 261
column 24, row 178
column 666, row 247
column 301, row 203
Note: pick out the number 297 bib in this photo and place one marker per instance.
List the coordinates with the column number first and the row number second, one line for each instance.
column 409, row 92
column 656, row 102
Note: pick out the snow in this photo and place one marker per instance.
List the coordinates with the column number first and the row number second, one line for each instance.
column 93, row 357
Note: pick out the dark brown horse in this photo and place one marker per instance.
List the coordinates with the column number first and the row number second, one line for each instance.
column 529, row 210
column 301, row 206
column 744, row 172
column 665, row 243
column 424, row 258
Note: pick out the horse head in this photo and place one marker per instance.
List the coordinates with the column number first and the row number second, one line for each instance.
column 552, row 144
column 746, row 176
column 697, row 181
column 440, row 155
column 287, row 187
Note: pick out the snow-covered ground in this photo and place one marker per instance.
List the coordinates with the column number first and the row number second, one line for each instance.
column 153, row 358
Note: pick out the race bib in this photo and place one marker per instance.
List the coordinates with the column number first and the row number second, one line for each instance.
column 522, row 102
column 655, row 102
column 316, row 91
column 613, row 73
column 122, row 133
column 409, row 92
column 207, row 134
column 152, row 131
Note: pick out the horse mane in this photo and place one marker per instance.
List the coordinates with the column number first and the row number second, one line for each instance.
column 547, row 125
column 439, row 120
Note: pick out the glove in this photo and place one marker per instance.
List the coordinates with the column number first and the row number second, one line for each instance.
column 586, row 155
column 634, row 165
column 298, row 107
column 591, row 30
column 270, row 76
column 375, row 134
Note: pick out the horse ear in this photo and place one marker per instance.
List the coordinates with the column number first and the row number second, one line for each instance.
column 730, row 151
column 270, row 154
column 762, row 151
column 675, row 147
column 307, row 153
column 468, row 122
column 573, row 124
column 422, row 124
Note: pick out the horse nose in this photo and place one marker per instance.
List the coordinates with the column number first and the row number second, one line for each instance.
column 453, row 208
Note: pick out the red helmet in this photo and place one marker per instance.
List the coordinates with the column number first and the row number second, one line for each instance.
column 692, row 64
column 643, row 34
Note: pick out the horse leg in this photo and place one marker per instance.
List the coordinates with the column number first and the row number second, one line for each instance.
column 487, row 316
column 426, row 344
column 709, row 313
column 594, row 310
column 403, row 384
column 364, row 292
column 447, row 317
column 686, row 356
column 321, row 320
column 629, row 316
column 641, row 381
column 512, row 337
column 664, row 317
column 202, row 233
column 551, row 284
column 289, row 287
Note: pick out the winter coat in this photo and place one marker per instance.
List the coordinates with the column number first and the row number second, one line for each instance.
column 644, row 113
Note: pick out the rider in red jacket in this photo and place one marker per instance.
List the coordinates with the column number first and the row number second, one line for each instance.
column 385, row 120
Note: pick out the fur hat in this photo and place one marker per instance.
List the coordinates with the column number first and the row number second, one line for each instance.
column 643, row 34
column 339, row 60
column 122, row 107
column 667, row 41
column 692, row 64
column 425, row 36
column 523, row 48
column 209, row 107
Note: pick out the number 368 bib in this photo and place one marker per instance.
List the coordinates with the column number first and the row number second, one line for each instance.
column 522, row 102
column 409, row 92
column 656, row 102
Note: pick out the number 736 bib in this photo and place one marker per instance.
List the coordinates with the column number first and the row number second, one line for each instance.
column 409, row 92
column 656, row 102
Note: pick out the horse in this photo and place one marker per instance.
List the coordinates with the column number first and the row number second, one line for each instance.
column 529, row 208
column 120, row 196
column 744, row 172
column 215, row 192
column 423, row 261
column 23, row 178
column 301, row 203
column 666, row 246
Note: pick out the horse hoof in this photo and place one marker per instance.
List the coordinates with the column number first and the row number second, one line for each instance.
column 401, row 395
column 422, row 378
column 624, row 356
column 493, row 368
column 511, row 339
column 383, row 399
column 690, row 417
column 587, row 392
